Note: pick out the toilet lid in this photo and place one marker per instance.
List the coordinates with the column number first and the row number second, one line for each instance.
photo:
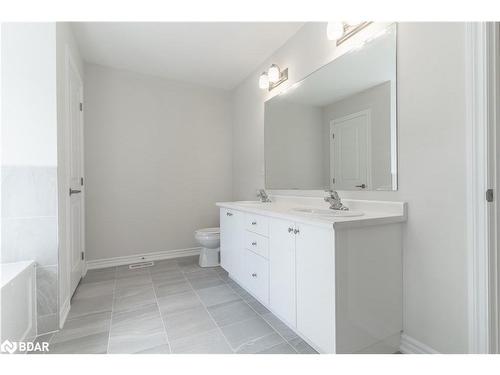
column 208, row 231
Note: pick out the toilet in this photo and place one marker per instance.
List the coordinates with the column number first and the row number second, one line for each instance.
column 209, row 239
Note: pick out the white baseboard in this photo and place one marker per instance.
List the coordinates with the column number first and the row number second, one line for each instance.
column 63, row 313
column 159, row 255
column 411, row 346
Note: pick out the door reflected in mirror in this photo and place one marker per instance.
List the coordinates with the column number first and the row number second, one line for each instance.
column 336, row 129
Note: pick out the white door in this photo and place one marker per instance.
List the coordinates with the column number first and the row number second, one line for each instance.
column 350, row 152
column 315, row 264
column 231, row 242
column 282, row 269
column 76, row 214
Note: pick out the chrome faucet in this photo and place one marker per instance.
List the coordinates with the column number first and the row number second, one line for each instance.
column 262, row 195
column 334, row 200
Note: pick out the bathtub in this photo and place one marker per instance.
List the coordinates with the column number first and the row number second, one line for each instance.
column 18, row 301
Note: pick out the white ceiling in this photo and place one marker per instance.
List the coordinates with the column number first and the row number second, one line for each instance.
column 215, row 54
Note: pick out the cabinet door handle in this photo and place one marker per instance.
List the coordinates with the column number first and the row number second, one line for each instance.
column 362, row 186
column 254, row 223
column 254, row 275
column 290, row 230
column 229, row 214
column 296, row 231
column 254, row 243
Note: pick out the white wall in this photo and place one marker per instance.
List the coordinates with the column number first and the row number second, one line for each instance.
column 431, row 104
column 65, row 46
column 29, row 158
column 157, row 158
column 294, row 149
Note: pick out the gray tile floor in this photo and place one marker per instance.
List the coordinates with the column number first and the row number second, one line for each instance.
column 173, row 307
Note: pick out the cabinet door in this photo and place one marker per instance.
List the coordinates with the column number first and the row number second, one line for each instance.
column 256, row 275
column 282, row 269
column 315, row 257
column 231, row 242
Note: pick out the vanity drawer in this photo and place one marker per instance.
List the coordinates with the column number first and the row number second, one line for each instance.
column 257, row 243
column 257, row 224
column 257, row 276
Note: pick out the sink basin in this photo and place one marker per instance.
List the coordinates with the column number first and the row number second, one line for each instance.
column 327, row 212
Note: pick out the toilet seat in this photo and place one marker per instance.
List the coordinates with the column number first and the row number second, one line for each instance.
column 208, row 232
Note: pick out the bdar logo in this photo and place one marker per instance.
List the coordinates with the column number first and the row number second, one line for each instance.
column 8, row 347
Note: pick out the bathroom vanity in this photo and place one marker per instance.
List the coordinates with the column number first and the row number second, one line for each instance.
column 334, row 277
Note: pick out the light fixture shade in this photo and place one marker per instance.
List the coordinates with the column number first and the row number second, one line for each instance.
column 334, row 30
column 274, row 73
column 264, row 81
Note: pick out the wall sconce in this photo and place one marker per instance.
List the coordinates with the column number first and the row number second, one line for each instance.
column 341, row 31
column 272, row 78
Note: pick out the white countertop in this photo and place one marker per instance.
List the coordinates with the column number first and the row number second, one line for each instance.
column 374, row 212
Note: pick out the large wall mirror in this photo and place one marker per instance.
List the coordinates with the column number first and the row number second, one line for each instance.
column 336, row 129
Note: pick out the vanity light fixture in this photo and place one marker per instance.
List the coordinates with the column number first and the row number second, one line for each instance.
column 264, row 81
column 341, row 31
column 273, row 77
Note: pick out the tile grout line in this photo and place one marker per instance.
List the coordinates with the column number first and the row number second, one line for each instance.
column 112, row 311
column 208, row 312
column 161, row 316
column 260, row 315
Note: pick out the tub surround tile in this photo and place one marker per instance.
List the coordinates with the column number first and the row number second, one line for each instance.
column 46, row 284
column 30, row 238
column 29, row 191
column 47, row 323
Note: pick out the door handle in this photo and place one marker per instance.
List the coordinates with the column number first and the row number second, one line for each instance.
column 71, row 192
column 362, row 186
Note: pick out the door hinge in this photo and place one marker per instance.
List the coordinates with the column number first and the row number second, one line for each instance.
column 333, row 180
column 83, row 255
column 333, row 135
column 489, row 195
column 81, row 181
column 81, row 106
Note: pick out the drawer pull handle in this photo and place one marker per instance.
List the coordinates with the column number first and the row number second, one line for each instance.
column 254, row 275
column 290, row 230
column 296, row 231
column 254, row 223
column 229, row 214
column 254, row 243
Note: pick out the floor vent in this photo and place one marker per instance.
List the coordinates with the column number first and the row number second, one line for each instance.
column 141, row 265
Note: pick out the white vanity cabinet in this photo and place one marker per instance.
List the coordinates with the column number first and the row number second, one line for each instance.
column 231, row 242
column 337, row 284
column 315, row 280
column 282, row 298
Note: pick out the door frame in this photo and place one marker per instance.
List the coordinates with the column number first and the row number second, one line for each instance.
column 368, row 114
column 71, row 64
column 482, row 91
